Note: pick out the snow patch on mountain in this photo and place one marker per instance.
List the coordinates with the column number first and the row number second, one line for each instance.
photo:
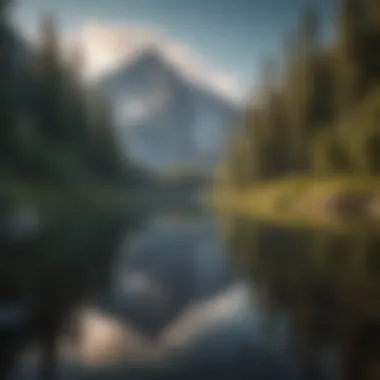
column 107, row 47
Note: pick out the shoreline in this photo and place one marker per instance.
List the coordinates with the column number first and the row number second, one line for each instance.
column 334, row 203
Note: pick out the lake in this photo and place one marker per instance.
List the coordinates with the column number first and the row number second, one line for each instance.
column 196, row 295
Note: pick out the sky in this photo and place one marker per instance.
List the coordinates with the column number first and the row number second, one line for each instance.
column 232, row 36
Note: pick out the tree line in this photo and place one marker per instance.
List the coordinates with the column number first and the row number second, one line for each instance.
column 321, row 116
column 57, row 141
column 54, row 132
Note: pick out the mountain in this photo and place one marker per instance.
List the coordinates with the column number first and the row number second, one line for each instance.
column 167, row 120
column 154, row 283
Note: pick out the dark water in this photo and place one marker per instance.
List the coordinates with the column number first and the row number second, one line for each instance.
column 188, row 297
column 328, row 286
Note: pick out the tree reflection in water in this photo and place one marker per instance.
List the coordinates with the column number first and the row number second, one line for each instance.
column 48, row 275
column 329, row 286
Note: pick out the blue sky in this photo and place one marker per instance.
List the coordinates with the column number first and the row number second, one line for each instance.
column 232, row 35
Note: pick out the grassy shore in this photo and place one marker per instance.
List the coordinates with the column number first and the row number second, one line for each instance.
column 306, row 201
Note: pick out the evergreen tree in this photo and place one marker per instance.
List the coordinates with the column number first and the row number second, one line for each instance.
column 75, row 103
column 323, row 117
column 310, row 27
column 49, row 77
column 7, row 94
column 349, row 72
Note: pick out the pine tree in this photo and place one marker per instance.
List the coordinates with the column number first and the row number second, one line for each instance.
column 290, row 57
column 256, row 144
column 349, row 71
column 310, row 31
column 77, row 128
column 269, row 78
column 298, row 103
column 49, row 83
column 105, row 156
column 7, row 101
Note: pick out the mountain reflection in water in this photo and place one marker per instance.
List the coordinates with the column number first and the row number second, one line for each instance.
column 176, row 308
column 303, row 305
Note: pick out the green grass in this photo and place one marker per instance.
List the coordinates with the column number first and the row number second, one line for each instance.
column 296, row 201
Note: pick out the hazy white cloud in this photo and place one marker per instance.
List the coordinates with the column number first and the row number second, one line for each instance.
column 193, row 64
column 107, row 46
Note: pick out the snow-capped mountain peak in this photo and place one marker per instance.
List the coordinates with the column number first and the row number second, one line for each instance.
column 177, row 120
column 108, row 47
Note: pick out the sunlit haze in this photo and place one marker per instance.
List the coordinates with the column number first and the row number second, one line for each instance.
column 222, row 44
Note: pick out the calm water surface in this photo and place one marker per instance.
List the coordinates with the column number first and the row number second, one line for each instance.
column 199, row 296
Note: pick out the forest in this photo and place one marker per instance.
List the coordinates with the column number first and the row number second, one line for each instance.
column 65, row 187
column 318, row 115
column 56, row 136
